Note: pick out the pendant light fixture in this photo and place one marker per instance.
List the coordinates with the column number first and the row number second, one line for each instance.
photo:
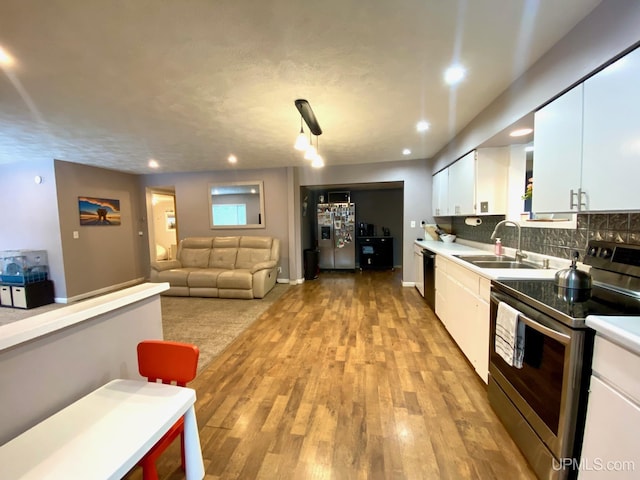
column 317, row 161
column 301, row 141
column 311, row 152
column 302, row 144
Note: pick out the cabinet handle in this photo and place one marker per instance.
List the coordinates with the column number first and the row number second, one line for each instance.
column 581, row 203
column 579, row 199
column 571, row 195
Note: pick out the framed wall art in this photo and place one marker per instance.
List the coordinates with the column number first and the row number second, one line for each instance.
column 99, row 211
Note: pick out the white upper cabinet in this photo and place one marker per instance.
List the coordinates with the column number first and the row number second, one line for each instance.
column 492, row 171
column 557, row 156
column 478, row 179
column 440, row 200
column 587, row 144
column 462, row 178
column 611, row 151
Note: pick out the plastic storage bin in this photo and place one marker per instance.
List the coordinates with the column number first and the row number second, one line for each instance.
column 23, row 266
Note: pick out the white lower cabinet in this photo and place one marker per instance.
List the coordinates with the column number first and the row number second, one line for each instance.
column 610, row 446
column 462, row 304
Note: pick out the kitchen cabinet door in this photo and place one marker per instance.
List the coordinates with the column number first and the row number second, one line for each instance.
column 557, row 158
column 480, row 345
column 611, row 154
column 442, row 289
column 492, row 168
column 462, row 181
column 440, row 197
column 610, row 436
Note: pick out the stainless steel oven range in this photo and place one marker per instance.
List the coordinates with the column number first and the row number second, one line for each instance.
column 543, row 403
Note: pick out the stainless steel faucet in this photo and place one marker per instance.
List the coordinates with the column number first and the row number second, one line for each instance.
column 519, row 254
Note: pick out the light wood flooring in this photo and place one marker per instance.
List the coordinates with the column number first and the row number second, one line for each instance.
column 350, row 376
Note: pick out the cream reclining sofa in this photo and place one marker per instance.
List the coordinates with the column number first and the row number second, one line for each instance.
column 225, row 267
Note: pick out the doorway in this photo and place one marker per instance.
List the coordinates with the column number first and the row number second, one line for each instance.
column 162, row 225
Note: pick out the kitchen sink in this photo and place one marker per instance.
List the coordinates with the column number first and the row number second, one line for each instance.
column 486, row 258
column 496, row 261
column 502, row 264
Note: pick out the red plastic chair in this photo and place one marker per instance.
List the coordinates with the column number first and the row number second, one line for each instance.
column 171, row 363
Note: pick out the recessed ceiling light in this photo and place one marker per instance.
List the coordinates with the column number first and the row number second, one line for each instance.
column 153, row 163
column 232, row 159
column 521, row 132
column 422, row 126
column 454, row 74
column 406, row 151
column 528, row 148
column 5, row 59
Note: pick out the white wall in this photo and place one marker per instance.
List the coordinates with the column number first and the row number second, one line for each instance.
column 609, row 30
column 29, row 217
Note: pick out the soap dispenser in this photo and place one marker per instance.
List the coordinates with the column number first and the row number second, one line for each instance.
column 498, row 247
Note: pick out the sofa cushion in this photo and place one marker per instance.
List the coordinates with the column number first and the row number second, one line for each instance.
column 197, row 242
column 176, row 276
column 204, row 278
column 223, row 258
column 253, row 250
column 195, row 257
column 241, row 279
column 226, row 242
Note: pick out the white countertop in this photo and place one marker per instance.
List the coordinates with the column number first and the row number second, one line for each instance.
column 29, row 328
column 450, row 250
column 624, row 331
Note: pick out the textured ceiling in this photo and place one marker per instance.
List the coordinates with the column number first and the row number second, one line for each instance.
column 114, row 83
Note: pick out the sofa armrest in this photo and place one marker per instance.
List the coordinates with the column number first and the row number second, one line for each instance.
column 162, row 265
column 263, row 266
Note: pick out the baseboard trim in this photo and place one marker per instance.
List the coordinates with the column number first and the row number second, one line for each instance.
column 101, row 291
column 408, row 284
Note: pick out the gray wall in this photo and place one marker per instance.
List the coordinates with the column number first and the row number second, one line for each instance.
column 610, row 29
column 29, row 215
column 192, row 204
column 416, row 199
column 102, row 256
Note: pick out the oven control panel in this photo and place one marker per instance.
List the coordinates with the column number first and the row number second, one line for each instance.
column 614, row 257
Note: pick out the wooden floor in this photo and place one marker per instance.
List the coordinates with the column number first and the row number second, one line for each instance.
column 350, row 376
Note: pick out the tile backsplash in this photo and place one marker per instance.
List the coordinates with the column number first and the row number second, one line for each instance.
column 557, row 242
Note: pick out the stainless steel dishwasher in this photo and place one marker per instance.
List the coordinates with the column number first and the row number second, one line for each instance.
column 429, row 267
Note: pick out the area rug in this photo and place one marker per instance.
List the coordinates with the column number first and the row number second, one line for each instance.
column 212, row 323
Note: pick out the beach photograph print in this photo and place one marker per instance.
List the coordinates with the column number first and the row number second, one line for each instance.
column 99, row 211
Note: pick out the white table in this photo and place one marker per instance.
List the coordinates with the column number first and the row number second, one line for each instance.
column 104, row 434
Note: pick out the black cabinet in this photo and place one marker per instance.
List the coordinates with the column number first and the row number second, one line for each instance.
column 375, row 252
column 29, row 295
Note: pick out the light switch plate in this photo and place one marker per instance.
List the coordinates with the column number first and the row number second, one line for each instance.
column 484, row 207
column 413, row 224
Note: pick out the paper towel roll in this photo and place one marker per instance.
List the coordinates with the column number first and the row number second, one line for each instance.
column 473, row 221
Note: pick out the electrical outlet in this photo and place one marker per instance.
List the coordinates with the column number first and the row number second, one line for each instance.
column 76, row 234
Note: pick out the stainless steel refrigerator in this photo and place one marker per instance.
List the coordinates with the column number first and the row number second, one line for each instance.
column 336, row 235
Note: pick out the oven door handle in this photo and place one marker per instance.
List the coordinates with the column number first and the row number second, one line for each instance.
column 549, row 332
